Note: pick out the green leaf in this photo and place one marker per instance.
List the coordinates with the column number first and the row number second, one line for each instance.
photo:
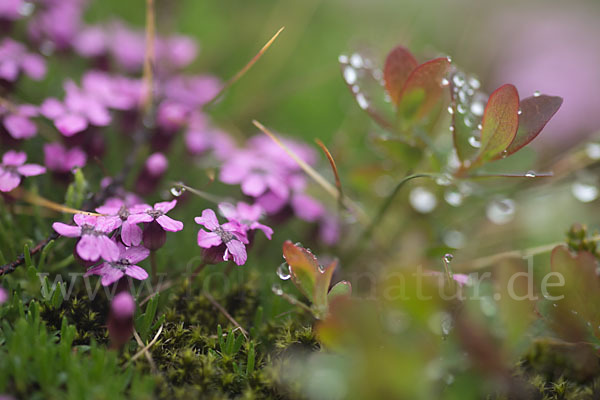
column 303, row 267
column 251, row 359
column 399, row 63
column 340, row 289
column 423, row 90
column 500, row 123
column 322, row 286
column 536, row 111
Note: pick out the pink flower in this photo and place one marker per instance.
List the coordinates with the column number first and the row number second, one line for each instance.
column 118, row 212
column 245, row 216
column 3, row 295
column 229, row 234
column 17, row 121
column 200, row 138
column 124, row 265
column 13, row 168
column 146, row 213
column 15, row 59
column 93, row 231
column 60, row 159
column 11, row 9
column 120, row 319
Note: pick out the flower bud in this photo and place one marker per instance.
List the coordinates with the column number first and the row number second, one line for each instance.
column 154, row 236
column 150, row 176
column 120, row 319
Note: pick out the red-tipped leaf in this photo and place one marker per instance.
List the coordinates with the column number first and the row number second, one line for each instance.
column 398, row 66
column 423, row 89
column 304, row 268
column 536, row 111
column 499, row 124
column 322, row 285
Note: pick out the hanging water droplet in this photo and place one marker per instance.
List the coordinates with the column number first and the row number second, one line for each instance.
column 479, row 126
column 350, row 75
column 584, row 192
column 448, row 257
column 593, row 151
column 461, row 109
column 519, row 112
column 451, row 128
column 450, row 110
column 530, row 174
column 177, row 191
column 321, row 268
column 362, row 101
column 276, row 288
column 444, row 180
column 474, row 142
column 477, row 108
column 422, row 200
column 343, row 58
column 501, row 211
column 449, row 59
column 453, row 198
column 356, row 60
column 283, row 272
column 537, row 93
column 445, row 82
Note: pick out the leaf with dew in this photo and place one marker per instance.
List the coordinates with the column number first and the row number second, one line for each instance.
column 399, row 63
column 340, row 289
column 322, row 286
column 500, row 123
column 423, row 90
column 536, row 111
column 304, row 267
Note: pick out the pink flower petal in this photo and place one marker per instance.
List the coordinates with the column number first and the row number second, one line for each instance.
column 108, row 248
column 111, row 275
column 135, row 254
column 87, row 248
column 67, row 230
column 165, row 206
column 138, row 218
column 131, row 234
column 19, row 127
column 254, row 185
column 169, row 224
column 52, row 108
column 14, row 158
column 208, row 219
column 208, row 239
column 8, row 181
column 236, row 249
column 34, row 66
column 31, row 170
column 136, row 272
column 70, row 124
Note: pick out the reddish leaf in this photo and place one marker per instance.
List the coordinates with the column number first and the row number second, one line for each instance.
column 303, row 267
column 398, row 66
column 500, row 123
column 342, row 288
column 536, row 111
column 423, row 89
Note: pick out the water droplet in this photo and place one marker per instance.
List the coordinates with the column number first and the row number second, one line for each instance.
column 453, row 198
column 355, row 89
column 276, row 288
column 584, row 192
column 462, row 96
column 445, row 82
column 469, row 122
column 453, row 162
column 362, row 101
column 177, row 191
column 474, row 83
column 519, row 112
column 461, row 109
column 530, row 174
column 479, row 126
column 450, row 110
column 356, row 60
column 283, row 272
column 537, row 93
column 449, row 59
column 321, row 268
column 593, row 151
column 350, row 75
column 444, row 180
column 448, row 257
column 422, row 200
column 477, row 108
column 343, row 59
column 451, row 128
column 474, row 141
column 501, row 211
column 458, row 80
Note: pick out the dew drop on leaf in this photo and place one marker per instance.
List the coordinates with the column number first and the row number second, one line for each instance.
column 474, row 142
column 530, row 174
column 283, row 272
column 477, row 108
column 277, row 289
column 350, row 75
column 453, row 197
column 537, row 93
column 450, row 110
